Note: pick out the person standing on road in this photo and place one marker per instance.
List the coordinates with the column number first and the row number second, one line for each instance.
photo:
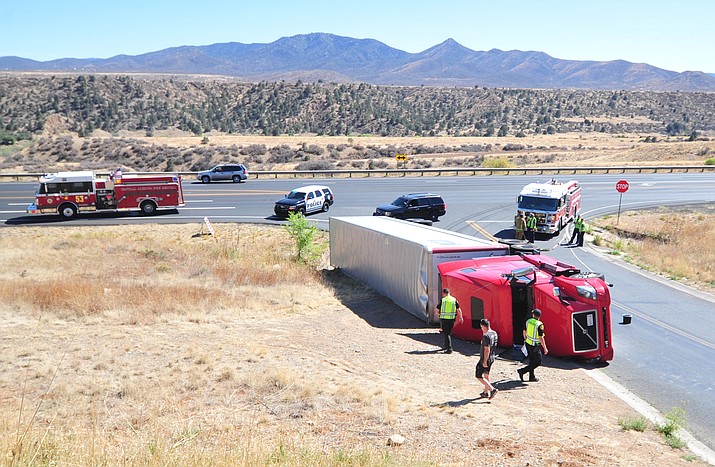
column 581, row 232
column 520, row 226
column 486, row 358
column 577, row 222
column 449, row 311
column 531, row 227
column 535, row 343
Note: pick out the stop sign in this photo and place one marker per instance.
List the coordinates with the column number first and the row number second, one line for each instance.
column 622, row 186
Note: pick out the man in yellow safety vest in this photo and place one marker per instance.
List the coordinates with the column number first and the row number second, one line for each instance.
column 535, row 343
column 531, row 227
column 449, row 311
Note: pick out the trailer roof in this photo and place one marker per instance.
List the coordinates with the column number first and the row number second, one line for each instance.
column 431, row 238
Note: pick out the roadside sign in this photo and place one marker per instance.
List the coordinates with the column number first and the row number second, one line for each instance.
column 400, row 157
column 207, row 222
column 621, row 187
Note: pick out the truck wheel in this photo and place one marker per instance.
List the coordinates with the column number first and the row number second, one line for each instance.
column 236, row 179
column 67, row 211
column 205, row 179
column 148, row 207
column 326, row 206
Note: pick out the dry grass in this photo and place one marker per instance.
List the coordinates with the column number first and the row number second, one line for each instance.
column 137, row 346
column 152, row 345
column 674, row 241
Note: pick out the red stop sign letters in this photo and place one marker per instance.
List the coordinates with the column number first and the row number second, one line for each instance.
column 622, row 186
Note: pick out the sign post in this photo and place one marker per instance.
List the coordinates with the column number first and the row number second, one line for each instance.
column 621, row 187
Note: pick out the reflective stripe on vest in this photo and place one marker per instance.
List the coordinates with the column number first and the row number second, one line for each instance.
column 532, row 332
column 449, row 308
column 531, row 223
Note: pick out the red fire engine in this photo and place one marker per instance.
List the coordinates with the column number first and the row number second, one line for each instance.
column 553, row 203
column 69, row 193
column 575, row 306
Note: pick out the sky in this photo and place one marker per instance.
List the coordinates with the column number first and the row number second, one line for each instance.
column 677, row 35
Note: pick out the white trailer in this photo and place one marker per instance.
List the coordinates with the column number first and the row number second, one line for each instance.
column 399, row 258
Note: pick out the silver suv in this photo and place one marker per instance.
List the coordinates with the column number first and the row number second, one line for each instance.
column 234, row 172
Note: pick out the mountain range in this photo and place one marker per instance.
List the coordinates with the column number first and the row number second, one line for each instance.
column 331, row 58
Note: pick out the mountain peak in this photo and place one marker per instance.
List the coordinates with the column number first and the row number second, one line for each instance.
column 317, row 55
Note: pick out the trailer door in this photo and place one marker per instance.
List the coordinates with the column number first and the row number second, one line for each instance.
column 522, row 302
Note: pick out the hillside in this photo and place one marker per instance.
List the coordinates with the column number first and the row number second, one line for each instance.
column 147, row 123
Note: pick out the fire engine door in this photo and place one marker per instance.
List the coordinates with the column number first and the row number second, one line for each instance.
column 522, row 302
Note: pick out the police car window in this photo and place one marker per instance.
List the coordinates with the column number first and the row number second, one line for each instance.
column 311, row 195
column 318, row 193
column 326, row 191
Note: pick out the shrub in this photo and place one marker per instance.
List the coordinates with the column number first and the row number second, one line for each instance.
column 496, row 163
column 633, row 423
column 710, row 161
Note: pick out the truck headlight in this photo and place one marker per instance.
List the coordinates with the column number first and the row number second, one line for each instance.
column 586, row 291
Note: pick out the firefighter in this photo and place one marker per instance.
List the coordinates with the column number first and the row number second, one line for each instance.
column 535, row 345
column 449, row 311
column 520, row 226
column 531, row 227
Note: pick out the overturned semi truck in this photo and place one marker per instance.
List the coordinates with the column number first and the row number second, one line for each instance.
column 410, row 263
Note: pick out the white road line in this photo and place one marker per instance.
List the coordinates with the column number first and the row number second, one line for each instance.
column 664, row 325
column 205, row 208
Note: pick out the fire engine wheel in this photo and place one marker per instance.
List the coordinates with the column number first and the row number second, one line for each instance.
column 67, row 211
column 205, row 179
column 148, row 207
column 326, row 206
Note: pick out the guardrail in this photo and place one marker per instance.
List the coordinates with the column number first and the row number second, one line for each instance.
column 454, row 171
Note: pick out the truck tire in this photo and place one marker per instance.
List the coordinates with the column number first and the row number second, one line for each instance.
column 67, row 211
column 148, row 207
column 205, row 179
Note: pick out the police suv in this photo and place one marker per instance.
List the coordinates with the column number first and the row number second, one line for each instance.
column 306, row 199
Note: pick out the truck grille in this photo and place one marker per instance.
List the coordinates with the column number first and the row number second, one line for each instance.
column 585, row 331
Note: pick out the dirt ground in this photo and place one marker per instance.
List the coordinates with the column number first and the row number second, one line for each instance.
column 382, row 360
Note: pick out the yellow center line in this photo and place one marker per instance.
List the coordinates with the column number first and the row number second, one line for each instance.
column 479, row 229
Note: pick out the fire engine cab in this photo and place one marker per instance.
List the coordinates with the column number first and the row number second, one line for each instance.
column 554, row 203
column 69, row 193
column 575, row 305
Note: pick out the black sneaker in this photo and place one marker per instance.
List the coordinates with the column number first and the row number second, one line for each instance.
column 521, row 375
column 484, row 394
column 448, row 351
column 493, row 393
column 533, row 380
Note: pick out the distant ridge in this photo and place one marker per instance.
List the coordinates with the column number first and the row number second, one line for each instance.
column 328, row 57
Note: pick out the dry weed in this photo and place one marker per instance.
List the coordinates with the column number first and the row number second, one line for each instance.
column 676, row 242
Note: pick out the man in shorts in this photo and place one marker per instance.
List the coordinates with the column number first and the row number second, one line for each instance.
column 486, row 358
